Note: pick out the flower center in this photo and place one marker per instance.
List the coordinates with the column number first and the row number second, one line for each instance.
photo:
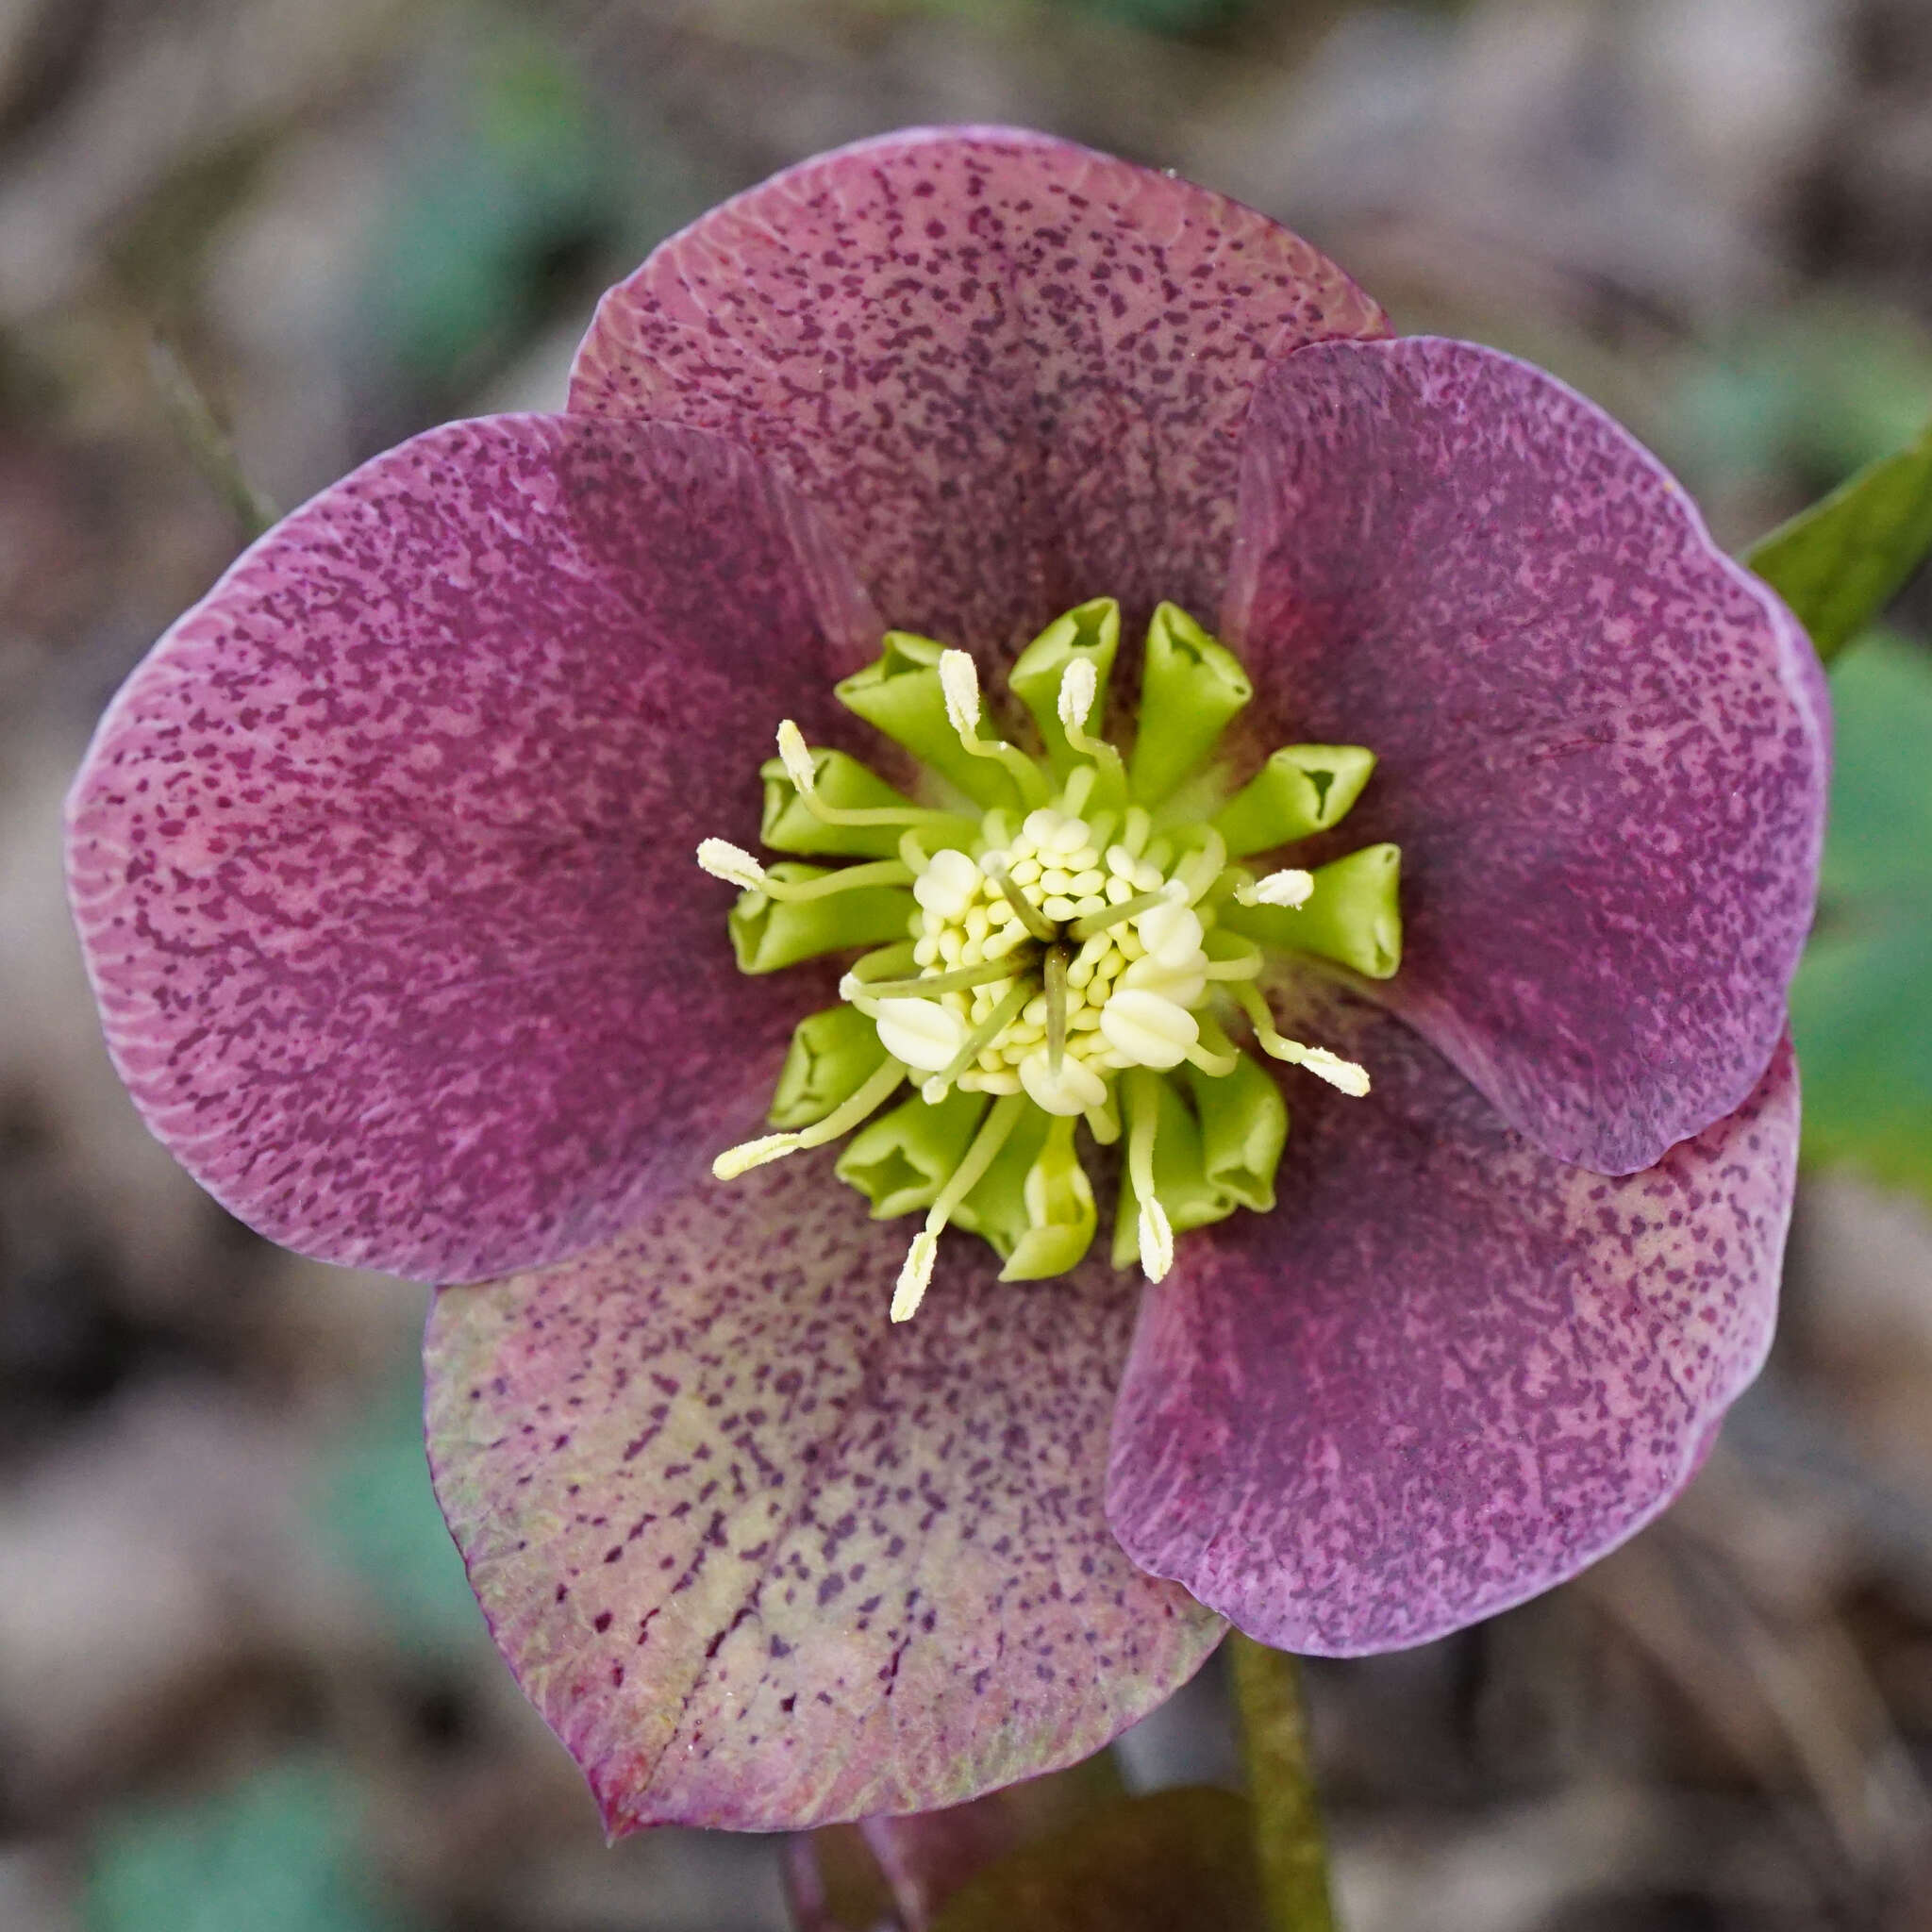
column 1055, row 945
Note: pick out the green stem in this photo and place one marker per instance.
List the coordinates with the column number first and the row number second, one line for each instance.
column 1290, row 1846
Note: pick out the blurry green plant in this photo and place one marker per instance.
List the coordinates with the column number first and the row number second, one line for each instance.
column 521, row 181
column 374, row 1508
column 1815, row 390
column 1861, row 1007
column 1861, row 1010
column 282, row 1850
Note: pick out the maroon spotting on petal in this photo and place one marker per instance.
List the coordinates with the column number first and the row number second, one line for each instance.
column 382, row 860
column 763, row 1558
column 1013, row 372
column 1603, row 745
column 1447, row 1371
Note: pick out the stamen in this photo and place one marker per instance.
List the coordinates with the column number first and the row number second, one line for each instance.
column 1074, row 1089
column 1290, row 886
column 920, row 1032
column 731, row 863
column 1346, row 1076
column 1075, row 795
column 1166, row 895
column 917, row 1273
column 842, row 1120
column 1056, row 979
column 737, row 867
column 1199, row 871
column 1150, row 1030
column 1241, row 958
column 1154, row 1231
column 797, row 759
column 1214, row 1042
column 1079, row 687
column 1029, row 914
column 959, row 681
column 1217, row 1064
column 886, row 960
column 1103, row 1123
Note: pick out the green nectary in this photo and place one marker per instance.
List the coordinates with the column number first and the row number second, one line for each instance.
column 1056, row 943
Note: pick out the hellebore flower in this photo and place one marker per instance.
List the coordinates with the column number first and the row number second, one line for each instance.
column 384, row 865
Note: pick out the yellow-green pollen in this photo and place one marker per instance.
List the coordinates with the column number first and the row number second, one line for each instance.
column 1056, row 946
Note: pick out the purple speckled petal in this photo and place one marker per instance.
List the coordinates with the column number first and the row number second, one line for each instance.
column 764, row 1559
column 1013, row 372
column 1603, row 745
column 1447, row 1371
column 382, row 860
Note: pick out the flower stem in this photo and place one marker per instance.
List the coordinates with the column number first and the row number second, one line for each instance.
column 1290, row 1846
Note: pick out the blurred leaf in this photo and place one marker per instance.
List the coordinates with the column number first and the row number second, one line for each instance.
column 518, row 180
column 281, row 1851
column 1820, row 389
column 374, row 1509
column 1861, row 1008
column 1841, row 562
column 855, row 1877
column 1174, row 1861
column 1172, row 18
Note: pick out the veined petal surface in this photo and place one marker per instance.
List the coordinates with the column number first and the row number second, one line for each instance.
column 763, row 1558
column 382, row 859
column 1011, row 372
column 1603, row 745
column 1447, row 1371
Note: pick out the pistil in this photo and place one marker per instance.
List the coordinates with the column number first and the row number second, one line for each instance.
column 960, row 680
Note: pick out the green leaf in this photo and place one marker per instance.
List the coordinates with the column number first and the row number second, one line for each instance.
column 1841, row 562
column 283, row 1850
column 1861, row 1008
column 374, row 1509
column 1174, row 1861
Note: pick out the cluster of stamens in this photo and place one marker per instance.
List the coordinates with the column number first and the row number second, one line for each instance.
column 1065, row 951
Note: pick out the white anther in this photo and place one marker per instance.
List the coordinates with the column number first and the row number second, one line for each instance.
column 1172, row 932
column 1185, row 984
column 960, row 683
column 947, row 886
column 1346, row 1075
column 1072, row 1090
column 921, row 1033
column 1079, row 687
column 1156, row 1241
column 1288, row 887
column 1043, row 828
column 933, row 1090
column 914, row 1276
column 1071, row 835
column 737, row 1161
column 796, row 757
column 732, row 863
column 1150, row 1030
